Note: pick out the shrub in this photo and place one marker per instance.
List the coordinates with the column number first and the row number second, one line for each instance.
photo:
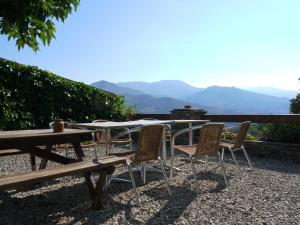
column 286, row 133
column 31, row 98
column 289, row 133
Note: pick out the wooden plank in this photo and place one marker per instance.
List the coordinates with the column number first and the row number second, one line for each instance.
column 15, row 140
column 51, row 173
column 39, row 133
column 288, row 118
column 8, row 152
column 284, row 118
column 35, row 151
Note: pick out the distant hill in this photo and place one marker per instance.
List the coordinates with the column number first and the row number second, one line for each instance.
column 240, row 101
column 111, row 87
column 165, row 88
column 215, row 99
column 273, row 91
column 147, row 103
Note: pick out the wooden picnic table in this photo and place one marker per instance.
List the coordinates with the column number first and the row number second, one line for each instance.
column 40, row 142
column 33, row 142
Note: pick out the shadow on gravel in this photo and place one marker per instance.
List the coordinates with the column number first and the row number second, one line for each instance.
column 51, row 207
column 181, row 198
column 43, row 208
column 282, row 166
column 118, row 187
column 259, row 162
column 211, row 176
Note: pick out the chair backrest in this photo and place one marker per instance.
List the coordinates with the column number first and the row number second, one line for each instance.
column 210, row 136
column 241, row 135
column 149, row 144
column 102, row 136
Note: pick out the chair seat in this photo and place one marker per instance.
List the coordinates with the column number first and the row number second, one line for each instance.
column 116, row 142
column 128, row 155
column 189, row 149
column 226, row 144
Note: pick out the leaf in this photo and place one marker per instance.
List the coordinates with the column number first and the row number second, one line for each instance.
column 30, row 21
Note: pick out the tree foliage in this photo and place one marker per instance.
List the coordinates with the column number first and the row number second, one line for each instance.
column 31, row 21
column 295, row 104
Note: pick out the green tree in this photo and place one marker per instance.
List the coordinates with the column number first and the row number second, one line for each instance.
column 295, row 104
column 30, row 22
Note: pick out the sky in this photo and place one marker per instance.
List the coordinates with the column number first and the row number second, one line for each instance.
column 204, row 43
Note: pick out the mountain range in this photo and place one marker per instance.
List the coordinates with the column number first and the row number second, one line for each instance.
column 163, row 96
column 273, row 91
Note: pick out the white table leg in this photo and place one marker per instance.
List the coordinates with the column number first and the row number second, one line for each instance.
column 107, row 141
column 190, row 134
column 164, row 149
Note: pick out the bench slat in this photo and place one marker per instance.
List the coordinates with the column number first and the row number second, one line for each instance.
column 8, row 152
column 51, row 173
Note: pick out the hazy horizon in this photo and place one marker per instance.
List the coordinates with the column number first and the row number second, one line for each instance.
column 224, row 43
column 199, row 86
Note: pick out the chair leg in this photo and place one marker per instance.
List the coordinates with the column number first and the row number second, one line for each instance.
column 206, row 163
column 133, row 184
column 95, row 151
column 143, row 173
column 233, row 156
column 222, row 168
column 223, row 150
column 172, row 163
column 105, row 186
column 165, row 176
column 247, row 157
column 194, row 173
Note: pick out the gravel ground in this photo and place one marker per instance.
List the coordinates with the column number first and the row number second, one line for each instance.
column 269, row 194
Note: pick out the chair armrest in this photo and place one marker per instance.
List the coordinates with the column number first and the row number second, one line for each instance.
column 123, row 133
column 231, row 130
column 182, row 132
column 186, row 130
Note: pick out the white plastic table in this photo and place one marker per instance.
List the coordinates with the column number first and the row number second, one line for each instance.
column 108, row 125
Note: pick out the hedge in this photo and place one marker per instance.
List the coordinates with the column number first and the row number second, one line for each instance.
column 31, row 98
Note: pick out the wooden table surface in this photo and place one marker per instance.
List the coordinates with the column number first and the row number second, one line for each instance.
column 39, row 143
column 24, row 138
column 16, row 134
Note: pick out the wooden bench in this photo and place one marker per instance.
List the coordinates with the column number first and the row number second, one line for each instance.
column 9, row 152
column 104, row 166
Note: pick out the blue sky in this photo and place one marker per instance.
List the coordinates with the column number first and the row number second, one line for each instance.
column 218, row 42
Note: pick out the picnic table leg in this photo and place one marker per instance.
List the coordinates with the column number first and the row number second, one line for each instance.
column 96, row 191
column 97, row 200
column 78, row 150
column 88, row 175
column 45, row 161
column 32, row 162
column 90, row 184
